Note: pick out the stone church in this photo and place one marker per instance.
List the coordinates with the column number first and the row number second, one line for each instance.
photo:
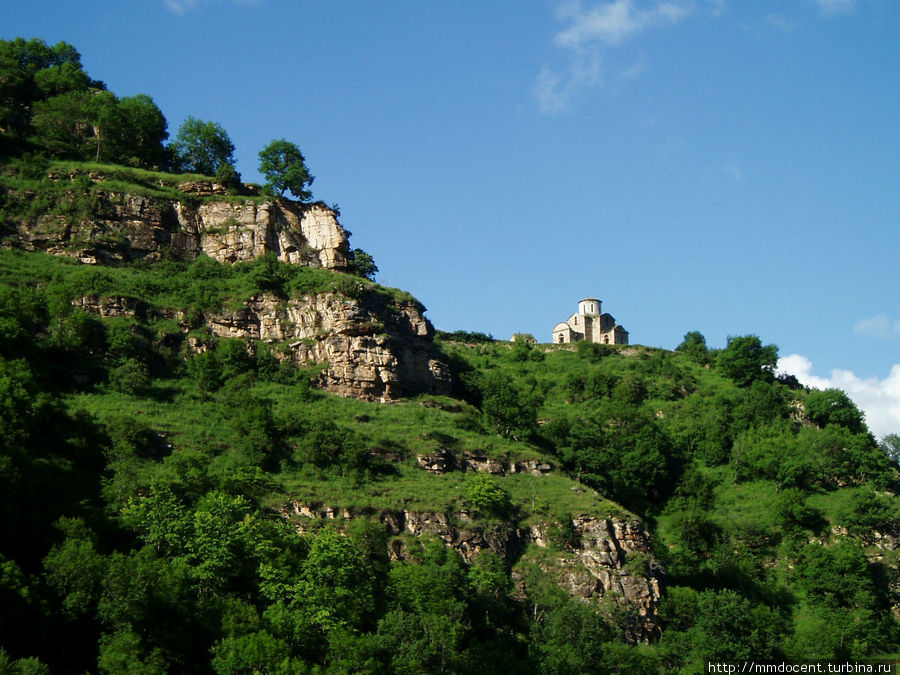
column 589, row 324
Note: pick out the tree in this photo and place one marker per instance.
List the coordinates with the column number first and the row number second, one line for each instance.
column 833, row 406
column 694, row 346
column 63, row 126
column 202, row 147
column 745, row 360
column 32, row 71
column 362, row 264
column 145, row 130
column 507, row 410
column 282, row 163
column 891, row 446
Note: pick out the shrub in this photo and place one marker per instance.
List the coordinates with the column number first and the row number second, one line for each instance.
column 484, row 493
column 562, row 534
column 206, row 369
column 131, row 377
column 593, row 351
column 228, row 176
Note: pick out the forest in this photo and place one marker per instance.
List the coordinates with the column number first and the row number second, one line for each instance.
column 164, row 490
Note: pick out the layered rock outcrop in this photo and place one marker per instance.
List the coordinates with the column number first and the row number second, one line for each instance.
column 442, row 461
column 371, row 348
column 127, row 226
column 608, row 558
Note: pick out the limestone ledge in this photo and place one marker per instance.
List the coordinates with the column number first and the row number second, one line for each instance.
column 372, row 350
column 127, row 226
column 442, row 461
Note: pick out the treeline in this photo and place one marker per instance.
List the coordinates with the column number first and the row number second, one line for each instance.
column 49, row 106
column 773, row 508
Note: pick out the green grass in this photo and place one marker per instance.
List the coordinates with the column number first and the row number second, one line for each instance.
column 203, row 284
column 189, row 418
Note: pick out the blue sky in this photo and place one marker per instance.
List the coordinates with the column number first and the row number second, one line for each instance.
column 725, row 166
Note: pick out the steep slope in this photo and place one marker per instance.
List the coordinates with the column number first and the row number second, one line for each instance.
column 370, row 344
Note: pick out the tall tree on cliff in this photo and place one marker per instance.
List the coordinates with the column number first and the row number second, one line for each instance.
column 284, row 167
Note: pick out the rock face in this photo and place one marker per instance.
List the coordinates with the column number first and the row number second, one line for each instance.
column 373, row 349
column 125, row 226
column 611, row 559
column 372, row 352
column 443, row 461
column 372, row 346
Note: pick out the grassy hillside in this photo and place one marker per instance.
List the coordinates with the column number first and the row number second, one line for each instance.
column 142, row 484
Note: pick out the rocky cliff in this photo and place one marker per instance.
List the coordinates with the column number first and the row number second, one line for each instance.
column 609, row 558
column 370, row 345
column 100, row 225
column 369, row 348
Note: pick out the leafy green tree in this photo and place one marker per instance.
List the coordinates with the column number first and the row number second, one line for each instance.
column 257, row 652
column 569, row 638
column 33, row 72
column 720, row 625
column 489, row 576
column 694, row 347
column 202, row 147
column 833, row 406
column 144, row 130
column 336, row 582
column 95, row 125
column 362, row 264
column 122, row 653
column 130, row 377
column 774, row 452
column 24, row 666
column 75, row 568
column 890, row 444
column 746, row 360
column 508, row 410
column 794, row 511
column 869, row 513
column 620, row 452
column 427, row 622
column 206, row 369
column 227, row 175
column 64, row 127
column 284, row 168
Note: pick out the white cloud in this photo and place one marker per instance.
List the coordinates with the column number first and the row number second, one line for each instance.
column 614, row 22
column 877, row 326
column 555, row 92
column 836, row 7
column 878, row 399
column 590, row 31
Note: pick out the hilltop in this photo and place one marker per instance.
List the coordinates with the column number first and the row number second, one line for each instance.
column 226, row 449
